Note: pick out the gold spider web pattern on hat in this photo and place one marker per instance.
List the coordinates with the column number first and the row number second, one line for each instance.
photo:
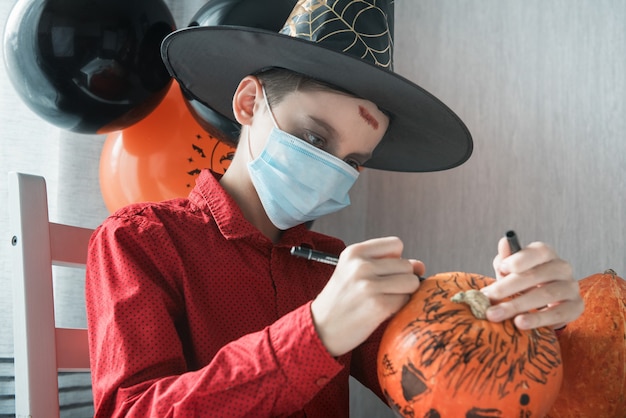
column 327, row 22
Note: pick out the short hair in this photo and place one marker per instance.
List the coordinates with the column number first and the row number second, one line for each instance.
column 278, row 82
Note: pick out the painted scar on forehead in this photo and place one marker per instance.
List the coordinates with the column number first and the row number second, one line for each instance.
column 371, row 120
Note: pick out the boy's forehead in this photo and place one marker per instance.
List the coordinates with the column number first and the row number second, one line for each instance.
column 367, row 117
column 328, row 98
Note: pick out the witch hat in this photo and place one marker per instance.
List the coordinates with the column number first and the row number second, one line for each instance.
column 345, row 43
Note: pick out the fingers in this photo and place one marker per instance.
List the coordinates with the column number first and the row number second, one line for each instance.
column 386, row 266
column 560, row 314
column 388, row 276
column 533, row 255
column 380, row 267
column 535, row 287
column 514, row 283
column 386, row 247
column 504, row 250
column 539, row 287
column 371, row 282
column 405, row 284
column 553, row 303
column 419, row 268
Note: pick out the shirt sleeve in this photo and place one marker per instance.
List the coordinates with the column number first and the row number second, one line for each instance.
column 136, row 317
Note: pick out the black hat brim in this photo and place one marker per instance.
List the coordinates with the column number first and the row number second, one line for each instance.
column 424, row 134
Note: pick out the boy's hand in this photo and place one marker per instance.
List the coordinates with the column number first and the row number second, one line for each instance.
column 546, row 292
column 371, row 283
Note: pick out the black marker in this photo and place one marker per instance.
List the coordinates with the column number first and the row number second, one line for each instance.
column 511, row 237
column 314, row 255
column 320, row 257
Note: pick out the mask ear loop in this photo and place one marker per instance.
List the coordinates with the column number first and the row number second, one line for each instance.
column 269, row 109
column 249, row 146
column 252, row 158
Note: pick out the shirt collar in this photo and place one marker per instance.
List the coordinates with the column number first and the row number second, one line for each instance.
column 211, row 197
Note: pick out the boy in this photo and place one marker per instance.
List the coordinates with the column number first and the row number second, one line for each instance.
column 196, row 306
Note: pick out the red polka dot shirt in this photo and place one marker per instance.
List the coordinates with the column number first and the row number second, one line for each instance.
column 192, row 312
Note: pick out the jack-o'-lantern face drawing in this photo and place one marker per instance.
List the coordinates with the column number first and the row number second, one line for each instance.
column 437, row 360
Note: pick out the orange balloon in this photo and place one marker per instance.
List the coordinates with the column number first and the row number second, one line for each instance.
column 159, row 157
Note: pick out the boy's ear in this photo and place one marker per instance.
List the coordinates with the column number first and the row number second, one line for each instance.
column 245, row 98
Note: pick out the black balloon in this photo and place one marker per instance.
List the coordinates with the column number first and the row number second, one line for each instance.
column 88, row 66
column 268, row 15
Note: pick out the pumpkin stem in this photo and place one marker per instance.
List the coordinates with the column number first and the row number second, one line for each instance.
column 611, row 272
column 477, row 301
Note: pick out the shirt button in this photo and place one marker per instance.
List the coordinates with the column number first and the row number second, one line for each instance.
column 322, row 381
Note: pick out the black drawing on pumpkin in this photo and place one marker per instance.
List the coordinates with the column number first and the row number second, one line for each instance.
column 387, row 366
column 406, row 411
column 413, row 382
column 478, row 362
column 483, row 413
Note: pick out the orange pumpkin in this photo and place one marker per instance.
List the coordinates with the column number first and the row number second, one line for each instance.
column 436, row 359
column 594, row 352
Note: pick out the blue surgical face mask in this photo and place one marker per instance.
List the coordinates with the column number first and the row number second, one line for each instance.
column 298, row 182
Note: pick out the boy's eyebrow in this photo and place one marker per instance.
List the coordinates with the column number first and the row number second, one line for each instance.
column 327, row 127
column 362, row 157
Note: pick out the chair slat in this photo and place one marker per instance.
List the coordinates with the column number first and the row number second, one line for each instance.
column 72, row 349
column 68, row 244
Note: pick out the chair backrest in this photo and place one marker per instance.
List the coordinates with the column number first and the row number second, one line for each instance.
column 40, row 348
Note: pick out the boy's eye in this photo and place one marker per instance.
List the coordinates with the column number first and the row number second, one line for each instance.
column 319, row 142
column 354, row 164
column 314, row 140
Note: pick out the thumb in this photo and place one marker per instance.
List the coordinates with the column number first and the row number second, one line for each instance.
column 504, row 250
column 419, row 268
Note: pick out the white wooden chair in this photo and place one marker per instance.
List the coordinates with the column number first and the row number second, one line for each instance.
column 41, row 349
